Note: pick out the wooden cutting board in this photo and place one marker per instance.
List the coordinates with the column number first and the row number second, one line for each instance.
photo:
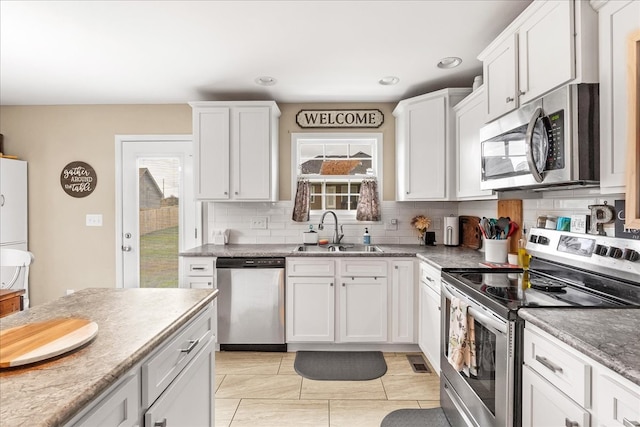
column 470, row 231
column 39, row 341
column 512, row 209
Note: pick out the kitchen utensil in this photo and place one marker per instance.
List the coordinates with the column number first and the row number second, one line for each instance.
column 34, row 342
column 513, row 227
column 503, row 223
column 471, row 232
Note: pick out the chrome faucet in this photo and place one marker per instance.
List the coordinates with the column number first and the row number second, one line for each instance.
column 336, row 236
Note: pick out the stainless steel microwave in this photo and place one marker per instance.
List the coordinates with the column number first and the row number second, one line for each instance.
column 551, row 142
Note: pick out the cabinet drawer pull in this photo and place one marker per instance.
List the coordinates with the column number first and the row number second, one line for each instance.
column 162, row 423
column 199, row 268
column 509, row 99
column 626, row 422
column 548, row 364
column 192, row 344
column 569, row 423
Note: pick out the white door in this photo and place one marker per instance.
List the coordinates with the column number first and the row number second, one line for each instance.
column 157, row 212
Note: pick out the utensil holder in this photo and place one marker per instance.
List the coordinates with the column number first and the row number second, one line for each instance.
column 496, row 250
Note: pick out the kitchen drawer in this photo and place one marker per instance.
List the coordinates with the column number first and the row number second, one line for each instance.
column 196, row 282
column 430, row 276
column 310, row 267
column 617, row 403
column 363, row 268
column 199, row 266
column 161, row 368
column 556, row 363
column 119, row 408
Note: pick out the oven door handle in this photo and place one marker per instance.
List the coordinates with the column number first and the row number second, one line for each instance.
column 476, row 311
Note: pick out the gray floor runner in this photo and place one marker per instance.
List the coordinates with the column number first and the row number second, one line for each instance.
column 415, row 418
column 340, row 365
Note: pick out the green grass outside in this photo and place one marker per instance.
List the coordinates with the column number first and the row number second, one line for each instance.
column 159, row 259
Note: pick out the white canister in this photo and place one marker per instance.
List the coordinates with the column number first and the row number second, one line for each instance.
column 451, row 230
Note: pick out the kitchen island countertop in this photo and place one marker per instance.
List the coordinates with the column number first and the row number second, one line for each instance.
column 608, row 336
column 131, row 324
column 439, row 256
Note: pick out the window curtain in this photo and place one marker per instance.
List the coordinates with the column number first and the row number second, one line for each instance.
column 368, row 206
column 301, row 203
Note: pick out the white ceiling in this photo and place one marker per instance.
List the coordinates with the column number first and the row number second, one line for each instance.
column 148, row 52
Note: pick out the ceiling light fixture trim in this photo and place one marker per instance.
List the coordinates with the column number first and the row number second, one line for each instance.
column 449, row 62
column 389, row 80
column 266, row 81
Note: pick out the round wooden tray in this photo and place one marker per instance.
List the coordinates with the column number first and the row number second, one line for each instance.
column 39, row 341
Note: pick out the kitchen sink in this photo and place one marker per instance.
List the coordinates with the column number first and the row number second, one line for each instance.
column 339, row 248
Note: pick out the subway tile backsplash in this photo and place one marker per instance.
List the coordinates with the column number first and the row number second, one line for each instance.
column 280, row 229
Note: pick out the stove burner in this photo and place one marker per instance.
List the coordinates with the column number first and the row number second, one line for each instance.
column 503, row 293
column 547, row 285
column 475, row 278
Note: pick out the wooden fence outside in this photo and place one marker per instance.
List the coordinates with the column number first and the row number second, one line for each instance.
column 158, row 219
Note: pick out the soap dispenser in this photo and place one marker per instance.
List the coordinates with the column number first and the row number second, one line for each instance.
column 366, row 238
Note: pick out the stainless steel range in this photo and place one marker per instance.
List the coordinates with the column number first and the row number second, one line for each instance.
column 566, row 270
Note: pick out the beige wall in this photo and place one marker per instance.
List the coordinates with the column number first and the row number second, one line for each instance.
column 70, row 255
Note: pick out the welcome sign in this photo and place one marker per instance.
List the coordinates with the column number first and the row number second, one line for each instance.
column 339, row 118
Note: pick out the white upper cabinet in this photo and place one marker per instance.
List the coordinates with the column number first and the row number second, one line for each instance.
column 551, row 43
column 618, row 21
column 13, row 201
column 236, row 150
column 470, row 117
column 425, row 146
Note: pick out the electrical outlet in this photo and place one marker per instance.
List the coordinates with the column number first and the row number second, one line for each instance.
column 391, row 224
column 94, row 220
column 259, row 223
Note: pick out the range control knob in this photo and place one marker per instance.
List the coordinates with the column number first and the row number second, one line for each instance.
column 615, row 252
column 543, row 240
column 601, row 250
column 631, row 255
column 533, row 238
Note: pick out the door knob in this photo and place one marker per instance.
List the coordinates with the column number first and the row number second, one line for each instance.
column 126, row 248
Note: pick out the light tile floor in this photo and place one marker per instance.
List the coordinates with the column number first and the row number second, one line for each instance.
column 264, row 390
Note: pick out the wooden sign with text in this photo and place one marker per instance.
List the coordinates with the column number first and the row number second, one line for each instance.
column 340, row 118
column 78, row 179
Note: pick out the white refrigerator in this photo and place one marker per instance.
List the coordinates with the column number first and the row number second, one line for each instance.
column 13, row 212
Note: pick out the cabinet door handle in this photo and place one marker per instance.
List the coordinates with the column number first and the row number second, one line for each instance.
column 1, row 199
column 236, row 193
column 192, row 345
column 226, row 193
column 548, row 364
column 162, row 423
column 331, row 284
column 569, row 423
column 626, row 422
column 522, row 92
column 509, row 99
column 343, row 285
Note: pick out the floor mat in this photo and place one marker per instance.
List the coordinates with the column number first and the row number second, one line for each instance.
column 433, row 417
column 340, row 365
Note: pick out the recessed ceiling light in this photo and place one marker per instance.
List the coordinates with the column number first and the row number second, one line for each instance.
column 449, row 62
column 389, row 80
column 265, row 81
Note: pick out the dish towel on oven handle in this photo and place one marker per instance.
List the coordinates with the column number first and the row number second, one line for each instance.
column 461, row 348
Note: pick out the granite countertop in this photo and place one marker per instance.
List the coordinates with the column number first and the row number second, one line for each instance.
column 608, row 336
column 131, row 324
column 439, row 256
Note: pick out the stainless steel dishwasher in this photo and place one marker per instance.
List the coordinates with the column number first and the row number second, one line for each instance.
column 251, row 304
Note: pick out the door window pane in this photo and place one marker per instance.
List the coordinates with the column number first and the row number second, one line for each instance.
column 159, row 207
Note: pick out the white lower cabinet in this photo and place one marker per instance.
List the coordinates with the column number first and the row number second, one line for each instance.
column 403, row 301
column 350, row 300
column 310, row 309
column 363, row 309
column 173, row 386
column 545, row 405
column 189, row 400
column 563, row 387
column 429, row 328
